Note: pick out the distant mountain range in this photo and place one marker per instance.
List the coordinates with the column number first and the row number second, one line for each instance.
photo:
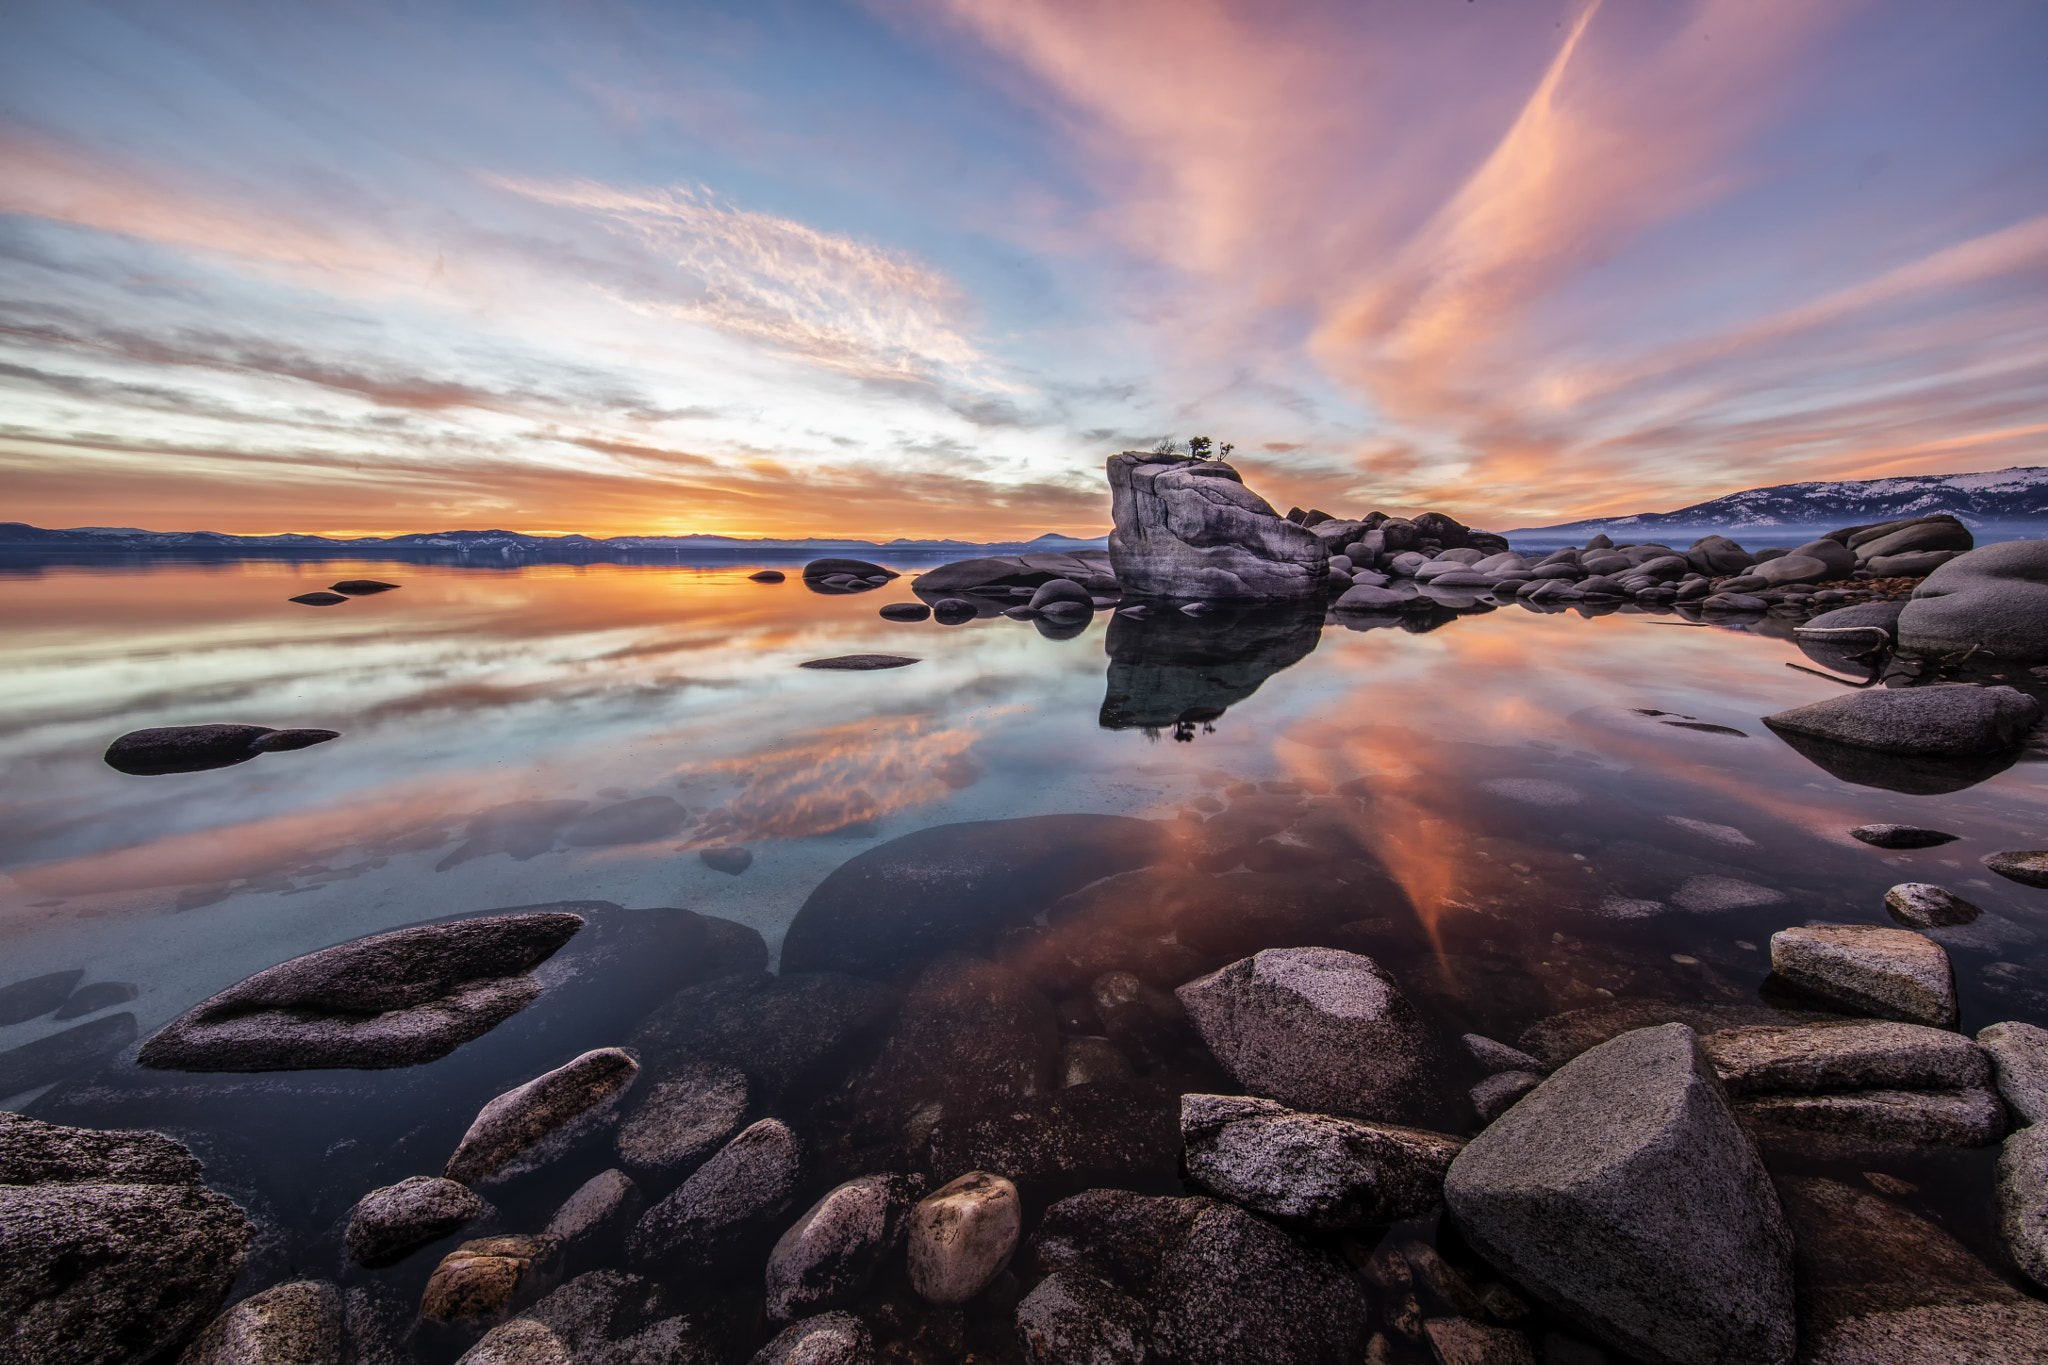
column 18, row 536
column 2014, row 501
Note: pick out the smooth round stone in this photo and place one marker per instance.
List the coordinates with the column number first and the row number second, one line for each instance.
column 768, row 576
column 962, row 1236
column 906, row 611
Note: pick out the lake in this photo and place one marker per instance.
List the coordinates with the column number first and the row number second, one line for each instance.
column 1517, row 814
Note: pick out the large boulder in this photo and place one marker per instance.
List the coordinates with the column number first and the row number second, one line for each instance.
column 394, row 999
column 1325, row 1171
column 789, row 1034
column 1919, row 722
column 1623, row 1192
column 1990, row 602
column 999, row 573
column 110, row 1248
column 1318, row 1029
column 525, row 1128
column 1190, row 530
column 1869, row 969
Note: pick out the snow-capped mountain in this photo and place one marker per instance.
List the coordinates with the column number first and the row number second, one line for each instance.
column 1994, row 500
column 16, row 535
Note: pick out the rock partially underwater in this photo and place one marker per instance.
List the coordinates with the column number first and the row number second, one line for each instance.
column 198, row 748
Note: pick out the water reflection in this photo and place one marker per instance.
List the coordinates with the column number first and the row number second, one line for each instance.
column 1172, row 671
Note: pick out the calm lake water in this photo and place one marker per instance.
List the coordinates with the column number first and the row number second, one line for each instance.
column 1552, row 839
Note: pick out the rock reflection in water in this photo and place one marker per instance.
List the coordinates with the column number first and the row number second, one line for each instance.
column 1172, row 670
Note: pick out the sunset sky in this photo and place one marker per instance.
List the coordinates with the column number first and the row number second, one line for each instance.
column 915, row 267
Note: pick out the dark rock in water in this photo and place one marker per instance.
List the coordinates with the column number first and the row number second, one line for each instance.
column 1853, row 640
column 961, row 1236
column 950, row 886
column 1912, row 774
column 639, row 821
column 1990, row 602
column 1923, row 905
column 1318, row 1029
column 1172, row 669
column 793, row 1033
column 59, row 1055
column 1857, row 1054
column 1918, row 565
column 361, row 587
column 318, row 599
column 390, row 1223
column 1623, row 1193
column 998, row 574
column 604, row 1317
column 197, row 748
column 1718, row 556
column 768, row 576
column 1325, row 1171
column 91, row 999
column 1879, row 1285
column 732, row 1198
column 37, row 995
column 298, row 1323
column 1061, row 590
column 1222, row 1287
column 952, row 611
column 518, row 829
column 2028, row 868
column 860, row 663
column 485, row 1281
column 831, row 1254
column 1075, row 1316
column 110, row 1248
column 523, row 1129
column 1066, row 613
column 1920, row 722
column 1190, row 529
column 683, row 1119
column 827, row 1339
column 1868, row 969
column 727, row 858
column 603, row 1207
column 857, row 568
column 1094, row 1132
column 906, row 611
column 1900, row 836
column 394, row 999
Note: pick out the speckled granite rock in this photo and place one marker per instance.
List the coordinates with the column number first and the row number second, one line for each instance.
column 1190, row 530
column 2019, row 1059
column 1869, row 969
column 1326, row 1171
column 393, row 1221
column 2023, row 1201
column 731, row 1198
column 1858, row 1055
column 485, row 1280
column 288, row 1324
column 828, row 1256
column 682, row 1119
column 1911, row 1118
column 526, row 1127
column 827, row 1339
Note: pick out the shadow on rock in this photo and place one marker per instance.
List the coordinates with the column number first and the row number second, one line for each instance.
column 1180, row 671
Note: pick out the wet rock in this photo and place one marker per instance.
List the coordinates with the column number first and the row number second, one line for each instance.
column 962, row 1235
column 391, row 1222
column 1900, row 836
column 1881, row 1286
column 1461, row 1341
column 683, row 1119
column 197, row 748
column 2023, row 1201
column 732, row 1198
column 394, row 999
column 819, row 569
column 827, row 1339
column 1992, row 601
column 603, row 1317
column 768, row 576
column 361, row 587
column 1060, row 590
column 374, row 1321
column 318, row 599
column 1326, row 1171
column 1499, row 1056
column 37, row 995
column 789, row 1034
column 2028, row 868
column 729, row 859
column 603, row 1206
column 58, row 1055
column 1072, row 1316
column 1879, row 1118
column 110, row 1249
column 1318, row 1029
column 1923, row 905
column 950, row 611
column 830, row 1255
column 92, row 998
column 1866, row 969
column 525, row 1128
column 1089, row 1059
column 2019, row 1061
column 950, row 886
column 288, row 1324
column 1794, row 568
column 1187, row 529
column 1935, row 722
column 1562, row 1037
column 485, row 1280
column 638, row 821
column 906, row 611
column 860, row 663
column 1769, row 1059
column 1623, row 1192
column 1497, row 1094
column 1096, row 1132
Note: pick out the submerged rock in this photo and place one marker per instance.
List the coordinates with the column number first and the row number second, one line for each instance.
column 1098, row 1131
column 1499, row 1092
column 485, row 1280
column 2019, row 1060
column 1623, row 1192
column 730, row 1199
column 962, row 1236
column 1189, row 529
column 830, row 1255
column 288, row 1324
column 1992, row 601
column 1923, row 722
column 683, row 1119
column 820, row 569
column 1326, row 1171
column 605, row 1205
column 726, row 858
column 393, row 999
column 1867, row 969
column 35, row 996
column 197, row 748
column 390, row 1223
column 1072, row 1316
column 827, row 1339
column 1923, row 905
column 57, row 1055
column 110, row 1248
column 794, row 1033
column 1318, row 1029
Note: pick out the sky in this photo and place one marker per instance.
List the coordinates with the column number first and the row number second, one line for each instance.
column 916, row 267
